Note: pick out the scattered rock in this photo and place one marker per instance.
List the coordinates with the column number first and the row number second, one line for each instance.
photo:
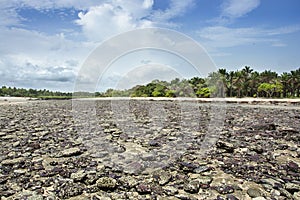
column 106, row 183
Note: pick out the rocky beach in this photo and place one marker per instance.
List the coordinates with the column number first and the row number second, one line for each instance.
column 150, row 149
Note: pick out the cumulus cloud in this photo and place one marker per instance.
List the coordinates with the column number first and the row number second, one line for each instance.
column 107, row 19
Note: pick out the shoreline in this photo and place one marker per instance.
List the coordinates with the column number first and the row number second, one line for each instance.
column 202, row 100
column 246, row 100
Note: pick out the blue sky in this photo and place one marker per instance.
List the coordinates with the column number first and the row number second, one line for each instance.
column 43, row 44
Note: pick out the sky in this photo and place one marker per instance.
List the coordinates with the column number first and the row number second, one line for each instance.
column 44, row 44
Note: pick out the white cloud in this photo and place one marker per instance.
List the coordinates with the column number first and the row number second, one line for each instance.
column 35, row 59
column 221, row 36
column 238, row 8
column 176, row 8
column 107, row 19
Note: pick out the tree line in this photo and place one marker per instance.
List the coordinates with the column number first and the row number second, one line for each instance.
column 241, row 83
column 33, row 93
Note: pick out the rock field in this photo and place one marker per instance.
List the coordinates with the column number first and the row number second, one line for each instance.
column 142, row 149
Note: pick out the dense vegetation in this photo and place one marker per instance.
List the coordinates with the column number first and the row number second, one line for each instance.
column 33, row 93
column 241, row 83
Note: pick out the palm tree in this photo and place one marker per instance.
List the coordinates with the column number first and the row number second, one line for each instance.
column 254, row 81
column 246, row 73
column 285, row 80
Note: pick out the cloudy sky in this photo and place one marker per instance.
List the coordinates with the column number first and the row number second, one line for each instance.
column 43, row 44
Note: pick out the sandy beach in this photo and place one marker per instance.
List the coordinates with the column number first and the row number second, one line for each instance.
column 14, row 100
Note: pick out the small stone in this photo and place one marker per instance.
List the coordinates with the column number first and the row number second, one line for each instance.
column 143, row 188
column 293, row 166
column 231, row 197
column 13, row 161
column 259, row 198
column 201, row 169
column 226, row 146
column 253, row 192
column 292, row 187
column 192, row 186
column 15, row 144
column 78, row 176
column 226, row 189
column 296, row 195
column 20, row 171
column 71, row 152
column 169, row 190
column 163, row 177
column 106, row 183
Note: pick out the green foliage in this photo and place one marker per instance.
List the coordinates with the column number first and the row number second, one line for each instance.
column 21, row 92
column 203, row 92
column 241, row 83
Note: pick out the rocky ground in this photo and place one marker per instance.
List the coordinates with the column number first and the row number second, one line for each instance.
column 149, row 150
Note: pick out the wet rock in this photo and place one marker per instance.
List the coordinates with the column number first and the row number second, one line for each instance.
column 68, row 190
column 71, row 152
column 162, row 177
column 293, row 166
column 78, row 176
column 170, row 190
column 13, row 161
column 192, row 186
column 201, row 169
column 224, row 189
column 106, row 183
column 292, row 187
column 254, row 192
column 296, row 195
column 143, row 188
column 228, row 147
column 231, row 197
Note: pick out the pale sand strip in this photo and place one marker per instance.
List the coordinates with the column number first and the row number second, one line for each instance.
column 14, row 100
column 229, row 100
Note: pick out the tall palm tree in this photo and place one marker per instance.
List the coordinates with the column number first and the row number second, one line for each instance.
column 246, row 73
column 285, row 80
column 254, row 81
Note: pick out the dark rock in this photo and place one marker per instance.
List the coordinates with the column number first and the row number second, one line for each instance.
column 224, row 189
column 293, row 166
column 226, row 146
column 192, row 186
column 231, row 197
column 143, row 188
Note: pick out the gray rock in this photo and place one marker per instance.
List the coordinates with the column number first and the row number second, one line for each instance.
column 170, row 191
column 13, row 161
column 78, row 176
column 106, row 183
column 254, row 192
column 71, row 152
column 292, row 187
column 192, row 186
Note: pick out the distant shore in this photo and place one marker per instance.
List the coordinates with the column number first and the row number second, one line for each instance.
column 246, row 100
column 227, row 100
